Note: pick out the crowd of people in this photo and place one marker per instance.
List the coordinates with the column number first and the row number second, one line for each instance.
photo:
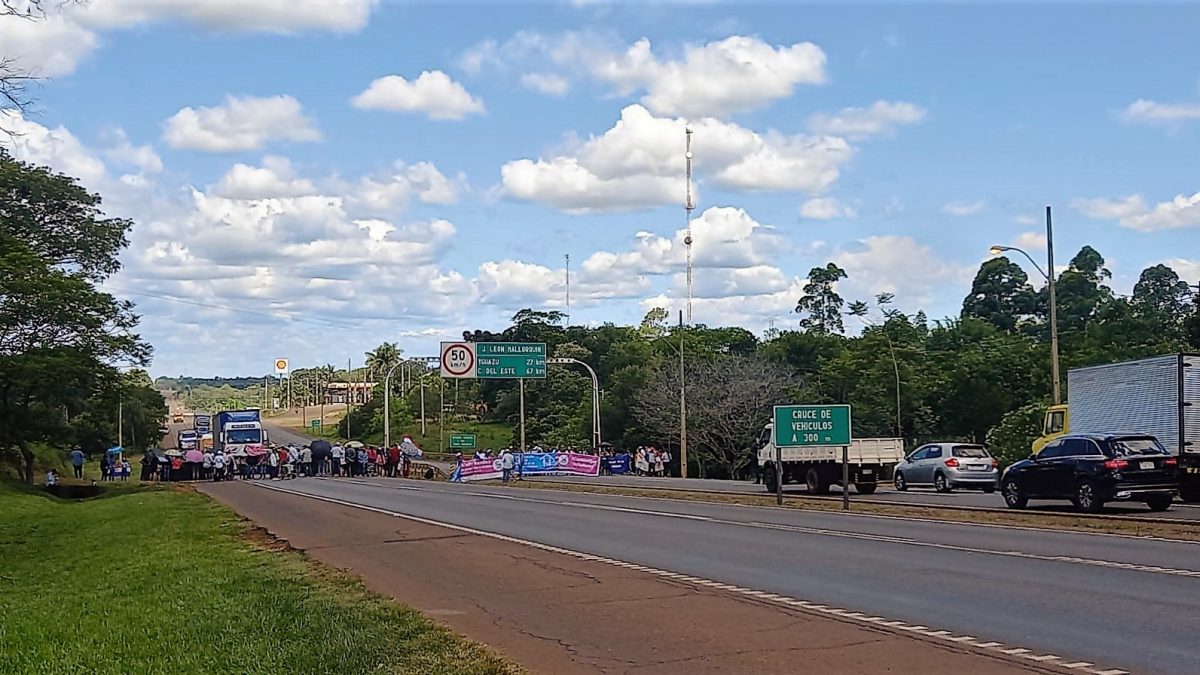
column 650, row 461
column 320, row 459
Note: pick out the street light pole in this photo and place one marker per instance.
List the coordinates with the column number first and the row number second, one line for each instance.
column 1049, row 277
column 595, row 395
column 1053, row 308
column 387, row 410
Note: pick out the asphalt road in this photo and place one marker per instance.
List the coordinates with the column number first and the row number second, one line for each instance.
column 1118, row 601
column 885, row 493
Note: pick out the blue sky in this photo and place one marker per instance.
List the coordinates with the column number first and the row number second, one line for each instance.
column 295, row 176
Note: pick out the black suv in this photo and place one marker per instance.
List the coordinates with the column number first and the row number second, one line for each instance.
column 1090, row 469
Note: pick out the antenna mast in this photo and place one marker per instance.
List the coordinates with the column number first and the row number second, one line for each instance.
column 567, row 257
column 687, row 239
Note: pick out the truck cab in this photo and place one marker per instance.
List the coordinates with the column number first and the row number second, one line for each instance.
column 820, row 466
column 1057, row 422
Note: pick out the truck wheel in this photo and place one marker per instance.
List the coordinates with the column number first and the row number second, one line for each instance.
column 901, row 484
column 816, row 482
column 865, row 488
column 769, row 477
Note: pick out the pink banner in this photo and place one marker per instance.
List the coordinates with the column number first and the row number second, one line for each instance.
column 530, row 464
column 479, row 469
column 582, row 465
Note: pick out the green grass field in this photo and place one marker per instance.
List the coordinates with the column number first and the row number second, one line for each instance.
column 158, row 580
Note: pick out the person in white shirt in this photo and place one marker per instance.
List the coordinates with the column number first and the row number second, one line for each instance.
column 507, row 461
column 218, row 462
column 338, row 454
column 207, row 464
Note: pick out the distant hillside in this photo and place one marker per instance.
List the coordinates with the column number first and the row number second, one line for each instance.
column 181, row 383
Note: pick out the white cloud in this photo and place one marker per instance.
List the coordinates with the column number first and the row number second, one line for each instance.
column 268, row 16
column 882, row 117
column 963, row 208
column 1031, row 241
column 275, row 178
column 722, row 238
column 432, row 93
column 1134, row 213
column 900, row 265
column 380, row 194
column 1143, row 111
column 825, row 208
column 57, row 148
column 1188, row 270
column 142, row 157
column 514, row 284
column 46, row 47
column 55, row 44
column 1024, row 219
column 732, row 75
column 546, row 83
column 638, row 163
column 240, row 124
column 749, row 310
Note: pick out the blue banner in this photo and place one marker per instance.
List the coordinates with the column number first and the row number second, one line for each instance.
column 617, row 464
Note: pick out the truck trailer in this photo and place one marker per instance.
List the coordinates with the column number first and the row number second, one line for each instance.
column 1158, row 396
column 870, row 461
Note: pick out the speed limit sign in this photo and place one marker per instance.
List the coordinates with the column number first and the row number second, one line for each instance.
column 458, row 360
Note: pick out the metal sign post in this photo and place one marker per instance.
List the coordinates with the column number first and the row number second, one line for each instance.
column 845, row 478
column 778, row 476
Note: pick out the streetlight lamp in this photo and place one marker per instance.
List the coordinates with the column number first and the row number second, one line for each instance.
column 387, row 410
column 1049, row 276
column 595, row 395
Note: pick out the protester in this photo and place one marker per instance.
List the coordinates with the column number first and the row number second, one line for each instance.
column 125, row 470
column 149, row 461
column 77, row 462
column 362, row 462
column 206, row 465
column 372, row 457
column 338, row 454
column 380, row 461
column 105, row 467
column 218, row 462
column 640, row 466
column 306, row 460
column 506, row 465
column 659, row 464
column 393, row 457
column 666, row 462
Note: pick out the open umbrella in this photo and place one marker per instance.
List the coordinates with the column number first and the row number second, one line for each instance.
column 194, row 456
column 173, row 453
column 354, row 444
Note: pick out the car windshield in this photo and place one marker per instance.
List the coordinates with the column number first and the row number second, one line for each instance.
column 969, row 451
column 243, row 436
column 1124, row 447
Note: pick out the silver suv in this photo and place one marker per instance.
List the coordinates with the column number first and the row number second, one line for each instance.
column 946, row 466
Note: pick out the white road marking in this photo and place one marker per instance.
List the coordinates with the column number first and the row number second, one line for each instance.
column 842, row 614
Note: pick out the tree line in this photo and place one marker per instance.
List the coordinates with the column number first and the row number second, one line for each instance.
column 980, row 376
column 70, row 359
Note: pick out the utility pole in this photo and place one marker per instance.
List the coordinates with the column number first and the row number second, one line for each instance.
column 1053, row 308
column 522, row 381
column 687, row 207
column 387, row 410
column 683, row 464
column 121, row 424
column 422, row 404
column 567, row 257
column 442, row 415
column 349, row 385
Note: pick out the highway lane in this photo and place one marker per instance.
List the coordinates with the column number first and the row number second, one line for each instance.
column 885, row 493
column 1131, row 603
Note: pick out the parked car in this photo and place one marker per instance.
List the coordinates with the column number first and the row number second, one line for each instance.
column 1091, row 469
column 946, row 466
column 177, row 418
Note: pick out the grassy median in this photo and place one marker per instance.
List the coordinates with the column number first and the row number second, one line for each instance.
column 159, row 580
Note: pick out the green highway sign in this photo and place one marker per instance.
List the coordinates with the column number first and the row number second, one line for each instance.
column 315, row 424
column 801, row 425
column 462, row 441
column 508, row 360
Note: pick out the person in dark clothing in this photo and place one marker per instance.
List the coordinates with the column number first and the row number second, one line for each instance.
column 77, row 461
column 149, row 461
column 105, row 467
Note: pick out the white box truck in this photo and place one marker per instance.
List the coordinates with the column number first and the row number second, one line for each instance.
column 820, row 466
column 1158, row 396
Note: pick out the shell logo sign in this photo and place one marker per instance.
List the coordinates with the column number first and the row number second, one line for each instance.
column 281, row 366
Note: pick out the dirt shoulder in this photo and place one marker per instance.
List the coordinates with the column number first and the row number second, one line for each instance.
column 556, row 614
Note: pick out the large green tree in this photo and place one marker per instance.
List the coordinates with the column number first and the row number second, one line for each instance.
column 821, row 304
column 60, row 337
column 1000, row 294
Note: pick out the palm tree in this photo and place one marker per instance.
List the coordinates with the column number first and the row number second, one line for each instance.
column 383, row 357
